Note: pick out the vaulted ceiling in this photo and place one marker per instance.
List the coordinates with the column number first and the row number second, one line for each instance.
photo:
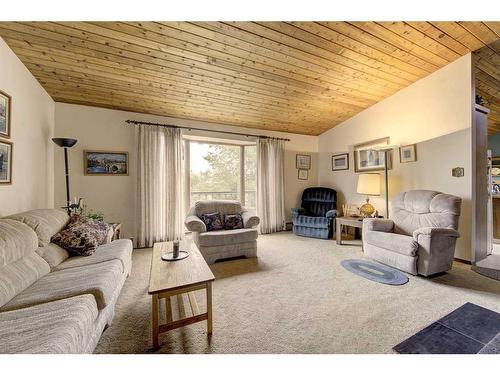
column 487, row 75
column 299, row 77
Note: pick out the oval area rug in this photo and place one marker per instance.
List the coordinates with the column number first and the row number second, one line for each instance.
column 375, row 271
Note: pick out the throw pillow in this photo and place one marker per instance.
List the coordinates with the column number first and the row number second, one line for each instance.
column 233, row 221
column 82, row 236
column 213, row 221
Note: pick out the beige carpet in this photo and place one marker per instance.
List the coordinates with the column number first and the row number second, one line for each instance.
column 297, row 298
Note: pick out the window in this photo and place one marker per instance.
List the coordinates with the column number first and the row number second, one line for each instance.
column 220, row 171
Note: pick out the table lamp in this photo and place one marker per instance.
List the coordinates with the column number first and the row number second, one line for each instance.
column 368, row 184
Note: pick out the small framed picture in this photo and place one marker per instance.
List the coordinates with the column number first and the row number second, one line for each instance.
column 5, row 104
column 303, row 174
column 303, row 161
column 5, row 162
column 340, row 162
column 105, row 163
column 407, row 153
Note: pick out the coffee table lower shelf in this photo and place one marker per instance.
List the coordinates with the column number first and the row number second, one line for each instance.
column 184, row 320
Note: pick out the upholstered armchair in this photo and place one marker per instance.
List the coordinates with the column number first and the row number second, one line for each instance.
column 316, row 216
column 220, row 244
column 420, row 238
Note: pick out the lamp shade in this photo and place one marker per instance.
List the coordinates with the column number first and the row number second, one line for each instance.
column 368, row 184
column 64, row 142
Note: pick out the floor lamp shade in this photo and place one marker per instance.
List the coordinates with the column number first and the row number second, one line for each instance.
column 66, row 143
column 368, row 184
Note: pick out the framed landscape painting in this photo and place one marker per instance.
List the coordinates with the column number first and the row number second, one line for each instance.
column 368, row 158
column 5, row 104
column 105, row 163
column 5, row 162
column 340, row 162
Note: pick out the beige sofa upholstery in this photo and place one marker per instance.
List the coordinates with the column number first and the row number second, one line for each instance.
column 421, row 236
column 61, row 307
column 223, row 244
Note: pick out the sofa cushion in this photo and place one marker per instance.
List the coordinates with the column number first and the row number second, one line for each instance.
column 226, row 237
column 213, row 221
column 233, row 222
column 45, row 222
column 117, row 250
column 100, row 280
column 397, row 243
column 53, row 254
column 64, row 327
column 20, row 266
column 222, row 206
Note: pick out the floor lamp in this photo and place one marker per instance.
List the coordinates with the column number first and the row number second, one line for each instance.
column 386, row 149
column 66, row 143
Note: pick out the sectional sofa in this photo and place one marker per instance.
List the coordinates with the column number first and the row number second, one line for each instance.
column 51, row 302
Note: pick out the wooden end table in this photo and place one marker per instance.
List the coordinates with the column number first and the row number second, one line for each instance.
column 356, row 222
column 177, row 278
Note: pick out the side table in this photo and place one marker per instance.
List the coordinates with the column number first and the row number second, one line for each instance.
column 356, row 222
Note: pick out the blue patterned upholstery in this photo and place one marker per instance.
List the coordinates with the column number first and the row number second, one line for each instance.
column 317, row 215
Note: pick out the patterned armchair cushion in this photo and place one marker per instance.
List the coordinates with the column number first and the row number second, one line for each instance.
column 233, row 222
column 213, row 221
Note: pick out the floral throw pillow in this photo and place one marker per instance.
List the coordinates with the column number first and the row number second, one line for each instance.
column 82, row 236
column 233, row 221
column 213, row 221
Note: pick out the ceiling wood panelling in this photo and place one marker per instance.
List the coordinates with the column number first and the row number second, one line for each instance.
column 299, row 77
column 487, row 76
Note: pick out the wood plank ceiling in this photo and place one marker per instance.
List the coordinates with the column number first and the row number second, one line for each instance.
column 487, row 76
column 299, row 77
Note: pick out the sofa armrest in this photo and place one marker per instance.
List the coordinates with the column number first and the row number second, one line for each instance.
column 331, row 214
column 378, row 225
column 249, row 219
column 195, row 224
column 434, row 232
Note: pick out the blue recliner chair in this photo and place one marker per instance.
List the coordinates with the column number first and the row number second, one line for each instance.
column 317, row 215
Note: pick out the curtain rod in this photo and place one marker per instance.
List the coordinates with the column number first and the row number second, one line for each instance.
column 134, row 122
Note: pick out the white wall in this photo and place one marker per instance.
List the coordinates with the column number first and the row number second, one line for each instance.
column 434, row 112
column 105, row 129
column 32, row 127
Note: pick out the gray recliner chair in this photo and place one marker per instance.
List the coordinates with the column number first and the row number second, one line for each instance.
column 420, row 238
column 221, row 244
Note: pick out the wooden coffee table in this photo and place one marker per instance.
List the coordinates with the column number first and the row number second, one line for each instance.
column 177, row 278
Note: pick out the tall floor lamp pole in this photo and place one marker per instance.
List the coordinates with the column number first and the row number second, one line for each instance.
column 386, row 150
column 65, row 143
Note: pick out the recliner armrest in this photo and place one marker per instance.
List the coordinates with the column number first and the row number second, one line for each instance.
column 298, row 211
column 378, row 225
column 249, row 219
column 195, row 224
column 331, row 214
column 435, row 231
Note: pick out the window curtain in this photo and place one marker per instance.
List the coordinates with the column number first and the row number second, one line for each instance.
column 270, row 185
column 159, row 185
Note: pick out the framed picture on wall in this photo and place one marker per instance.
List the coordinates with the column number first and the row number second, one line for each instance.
column 105, row 163
column 5, row 162
column 5, row 105
column 368, row 157
column 407, row 153
column 303, row 174
column 303, row 161
column 340, row 162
